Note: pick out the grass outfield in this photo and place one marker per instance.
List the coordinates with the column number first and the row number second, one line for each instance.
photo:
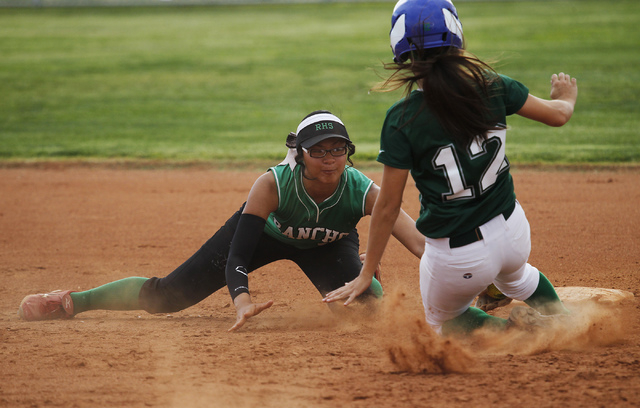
column 212, row 83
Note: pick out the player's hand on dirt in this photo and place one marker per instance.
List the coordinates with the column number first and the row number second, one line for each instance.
column 244, row 313
column 246, row 309
column 563, row 87
column 350, row 291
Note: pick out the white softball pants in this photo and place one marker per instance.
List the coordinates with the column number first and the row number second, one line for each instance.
column 450, row 278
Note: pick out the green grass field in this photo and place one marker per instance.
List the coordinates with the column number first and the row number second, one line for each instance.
column 212, row 83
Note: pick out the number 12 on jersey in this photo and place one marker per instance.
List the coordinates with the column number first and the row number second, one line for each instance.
column 493, row 148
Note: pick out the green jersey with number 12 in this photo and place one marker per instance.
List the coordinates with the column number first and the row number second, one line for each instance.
column 460, row 189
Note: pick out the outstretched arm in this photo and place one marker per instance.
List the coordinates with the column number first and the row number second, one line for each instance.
column 558, row 110
column 384, row 217
column 263, row 199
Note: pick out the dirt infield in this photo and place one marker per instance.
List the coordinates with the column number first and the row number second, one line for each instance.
column 78, row 227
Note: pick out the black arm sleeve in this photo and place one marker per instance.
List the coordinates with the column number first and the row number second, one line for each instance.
column 244, row 243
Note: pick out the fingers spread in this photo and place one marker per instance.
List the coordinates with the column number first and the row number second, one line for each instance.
column 263, row 306
column 350, row 299
column 239, row 323
column 337, row 294
column 249, row 311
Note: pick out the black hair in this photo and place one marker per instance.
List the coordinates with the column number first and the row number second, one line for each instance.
column 456, row 86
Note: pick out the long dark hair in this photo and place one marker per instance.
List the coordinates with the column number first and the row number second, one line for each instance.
column 456, row 86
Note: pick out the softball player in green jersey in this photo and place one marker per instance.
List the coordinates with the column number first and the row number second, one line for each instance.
column 450, row 134
column 304, row 210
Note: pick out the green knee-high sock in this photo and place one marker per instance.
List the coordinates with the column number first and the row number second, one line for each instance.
column 471, row 320
column 545, row 299
column 118, row 295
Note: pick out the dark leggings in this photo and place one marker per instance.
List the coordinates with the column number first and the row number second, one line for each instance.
column 328, row 267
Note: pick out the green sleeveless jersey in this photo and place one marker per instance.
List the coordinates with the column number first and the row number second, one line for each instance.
column 301, row 222
column 460, row 189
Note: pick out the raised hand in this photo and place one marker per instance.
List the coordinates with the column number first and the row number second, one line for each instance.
column 564, row 87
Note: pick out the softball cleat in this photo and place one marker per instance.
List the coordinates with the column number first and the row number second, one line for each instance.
column 527, row 318
column 47, row 306
column 491, row 298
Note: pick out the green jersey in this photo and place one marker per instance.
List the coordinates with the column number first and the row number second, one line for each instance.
column 301, row 222
column 460, row 189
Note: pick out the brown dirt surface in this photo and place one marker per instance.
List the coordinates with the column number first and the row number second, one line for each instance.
column 77, row 227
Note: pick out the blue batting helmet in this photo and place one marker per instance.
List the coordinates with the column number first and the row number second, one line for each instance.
column 423, row 24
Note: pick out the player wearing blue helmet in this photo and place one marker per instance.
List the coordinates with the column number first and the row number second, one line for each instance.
column 416, row 26
column 450, row 134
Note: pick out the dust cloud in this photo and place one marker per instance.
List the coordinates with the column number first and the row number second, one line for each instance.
column 590, row 325
column 413, row 346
